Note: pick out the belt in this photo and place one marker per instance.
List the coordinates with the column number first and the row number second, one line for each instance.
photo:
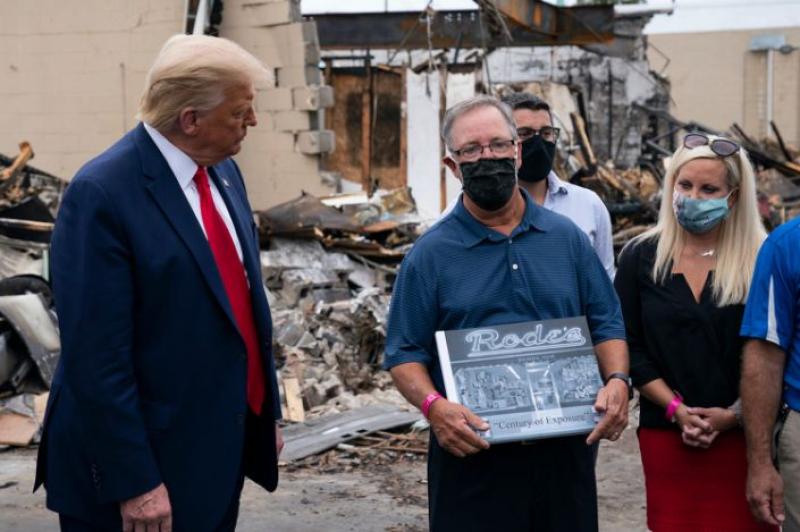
column 792, row 397
column 520, row 443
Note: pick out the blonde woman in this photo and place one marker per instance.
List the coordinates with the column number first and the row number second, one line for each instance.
column 682, row 286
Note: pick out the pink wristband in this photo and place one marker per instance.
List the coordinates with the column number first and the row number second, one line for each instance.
column 673, row 405
column 429, row 400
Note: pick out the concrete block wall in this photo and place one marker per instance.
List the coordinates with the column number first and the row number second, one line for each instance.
column 281, row 156
column 786, row 95
column 71, row 73
column 755, row 93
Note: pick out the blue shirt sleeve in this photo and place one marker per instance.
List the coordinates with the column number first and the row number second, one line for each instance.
column 771, row 304
column 412, row 318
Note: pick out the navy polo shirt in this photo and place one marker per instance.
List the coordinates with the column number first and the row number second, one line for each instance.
column 461, row 274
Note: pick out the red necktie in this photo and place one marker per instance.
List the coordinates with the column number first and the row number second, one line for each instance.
column 233, row 279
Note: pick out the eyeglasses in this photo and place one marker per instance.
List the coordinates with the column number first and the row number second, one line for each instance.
column 548, row 133
column 720, row 146
column 473, row 152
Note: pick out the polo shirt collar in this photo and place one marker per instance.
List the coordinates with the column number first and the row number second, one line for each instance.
column 475, row 232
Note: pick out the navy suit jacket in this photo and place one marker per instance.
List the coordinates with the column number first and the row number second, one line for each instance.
column 151, row 384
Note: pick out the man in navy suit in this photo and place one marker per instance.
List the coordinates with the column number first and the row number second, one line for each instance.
column 165, row 397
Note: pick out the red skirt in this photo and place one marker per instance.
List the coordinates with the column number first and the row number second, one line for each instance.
column 697, row 490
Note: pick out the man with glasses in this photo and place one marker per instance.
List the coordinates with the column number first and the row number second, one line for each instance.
column 499, row 258
column 538, row 139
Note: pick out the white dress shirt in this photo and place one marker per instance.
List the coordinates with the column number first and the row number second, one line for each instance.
column 184, row 168
column 587, row 210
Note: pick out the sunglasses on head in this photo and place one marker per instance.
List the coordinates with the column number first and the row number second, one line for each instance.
column 720, row 146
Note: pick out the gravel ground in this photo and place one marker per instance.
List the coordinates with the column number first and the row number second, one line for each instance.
column 389, row 497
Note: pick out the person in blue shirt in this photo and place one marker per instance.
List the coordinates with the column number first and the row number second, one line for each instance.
column 499, row 258
column 770, row 377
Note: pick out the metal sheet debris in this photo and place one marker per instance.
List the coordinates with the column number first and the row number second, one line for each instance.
column 327, row 432
column 329, row 296
column 30, row 319
column 382, row 227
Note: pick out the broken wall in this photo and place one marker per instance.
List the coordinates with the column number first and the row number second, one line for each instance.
column 432, row 184
column 281, row 155
column 72, row 73
column 368, row 122
column 608, row 85
column 460, row 87
column 423, row 106
column 403, row 118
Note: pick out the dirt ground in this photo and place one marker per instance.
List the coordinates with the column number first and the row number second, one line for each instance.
column 370, row 498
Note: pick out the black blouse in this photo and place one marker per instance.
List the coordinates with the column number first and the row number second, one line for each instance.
column 695, row 347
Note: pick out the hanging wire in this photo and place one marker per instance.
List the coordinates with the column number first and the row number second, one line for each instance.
column 485, row 60
column 429, row 24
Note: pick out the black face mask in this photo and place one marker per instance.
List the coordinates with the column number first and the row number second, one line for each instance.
column 490, row 183
column 537, row 159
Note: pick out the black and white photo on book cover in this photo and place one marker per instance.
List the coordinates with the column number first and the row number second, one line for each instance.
column 537, row 379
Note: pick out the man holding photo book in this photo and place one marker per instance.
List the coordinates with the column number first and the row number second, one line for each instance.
column 498, row 259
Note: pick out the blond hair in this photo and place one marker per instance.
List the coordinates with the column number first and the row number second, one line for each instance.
column 195, row 71
column 741, row 233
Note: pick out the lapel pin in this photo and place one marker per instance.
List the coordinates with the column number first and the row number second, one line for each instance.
column 225, row 182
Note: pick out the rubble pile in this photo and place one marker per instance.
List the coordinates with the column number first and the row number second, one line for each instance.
column 328, row 266
column 779, row 197
column 633, row 195
column 778, row 175
column 29, row 343
column 377, row 449
column 629, row 178
column 29, row 199
column 381, row 228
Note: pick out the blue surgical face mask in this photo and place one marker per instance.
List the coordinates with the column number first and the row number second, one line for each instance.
column 699, row 216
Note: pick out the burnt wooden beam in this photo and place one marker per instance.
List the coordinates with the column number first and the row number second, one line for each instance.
column 530, row 23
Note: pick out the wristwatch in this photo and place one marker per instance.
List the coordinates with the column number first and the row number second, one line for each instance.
column 625, row 378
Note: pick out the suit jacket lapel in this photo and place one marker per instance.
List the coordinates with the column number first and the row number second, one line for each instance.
column 240, row 213
column 163, row 186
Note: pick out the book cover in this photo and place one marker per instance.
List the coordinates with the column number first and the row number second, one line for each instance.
column 537, row 379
